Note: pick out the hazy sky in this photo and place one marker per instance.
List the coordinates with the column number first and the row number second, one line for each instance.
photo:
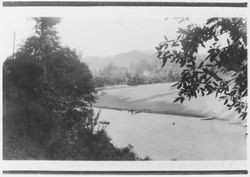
column 104, row 31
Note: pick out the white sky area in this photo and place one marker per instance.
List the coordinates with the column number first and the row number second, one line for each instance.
column 106, row 31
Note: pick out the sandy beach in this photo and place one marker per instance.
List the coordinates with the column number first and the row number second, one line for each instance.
column 141, row 98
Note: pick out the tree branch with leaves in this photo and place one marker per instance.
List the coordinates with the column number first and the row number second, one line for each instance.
column 224, row 69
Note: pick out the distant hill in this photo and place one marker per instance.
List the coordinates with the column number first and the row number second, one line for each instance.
column 125, row 59
column 120, row 60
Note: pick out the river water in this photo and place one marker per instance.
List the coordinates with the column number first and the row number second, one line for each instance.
column 170, row 137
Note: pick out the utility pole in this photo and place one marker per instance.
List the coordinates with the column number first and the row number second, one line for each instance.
column 14, row 41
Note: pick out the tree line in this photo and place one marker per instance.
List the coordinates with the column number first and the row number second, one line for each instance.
column 140, row 72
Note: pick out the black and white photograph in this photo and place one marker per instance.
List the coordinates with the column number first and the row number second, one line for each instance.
column 124, row 84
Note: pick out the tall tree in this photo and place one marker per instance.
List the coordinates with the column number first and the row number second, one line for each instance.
column 52, row 76
column 57, row 90
column 223, row 71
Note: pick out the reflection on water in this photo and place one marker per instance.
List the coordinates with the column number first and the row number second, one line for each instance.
column 169, row 137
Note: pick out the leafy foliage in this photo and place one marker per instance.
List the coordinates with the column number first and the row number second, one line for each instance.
column 223, row 71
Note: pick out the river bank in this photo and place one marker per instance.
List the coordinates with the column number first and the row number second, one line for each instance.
column 158, row 99
column 136, row 110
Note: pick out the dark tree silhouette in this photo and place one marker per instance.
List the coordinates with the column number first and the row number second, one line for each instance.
column 54, row 97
